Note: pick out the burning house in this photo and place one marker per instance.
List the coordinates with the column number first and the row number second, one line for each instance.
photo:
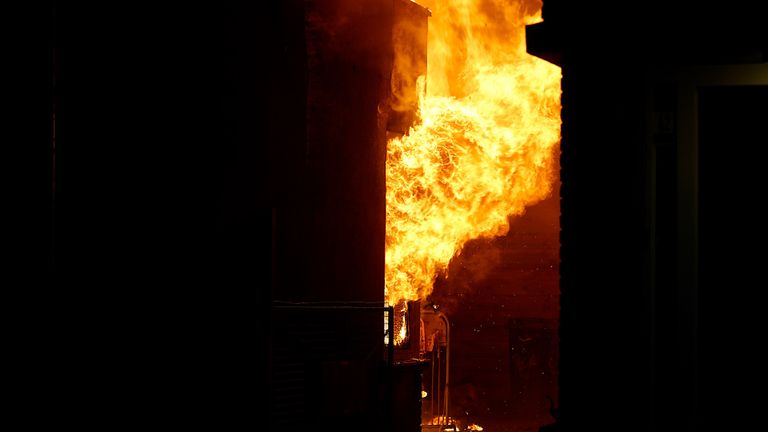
column 470, row 153
column 399, row 216
column 456, row 127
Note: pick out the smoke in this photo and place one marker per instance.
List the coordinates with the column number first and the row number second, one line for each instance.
column 465, row 274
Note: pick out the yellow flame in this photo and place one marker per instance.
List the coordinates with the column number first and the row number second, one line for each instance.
column 486, row 146
column 441, row 420
column 403, row 332
column 474, row 427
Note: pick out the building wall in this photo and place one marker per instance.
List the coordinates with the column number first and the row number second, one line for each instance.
column 627, row 300
column 502, row 298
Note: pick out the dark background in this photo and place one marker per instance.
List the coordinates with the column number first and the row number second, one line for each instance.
column 159, row 229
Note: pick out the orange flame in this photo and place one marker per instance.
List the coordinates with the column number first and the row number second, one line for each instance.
column 486, row 146
column 441, row 420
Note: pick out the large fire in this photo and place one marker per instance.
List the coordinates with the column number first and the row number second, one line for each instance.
column 486, row 145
